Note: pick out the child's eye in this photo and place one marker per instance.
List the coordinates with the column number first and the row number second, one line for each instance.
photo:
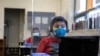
column 56, row 26
column 62, row 26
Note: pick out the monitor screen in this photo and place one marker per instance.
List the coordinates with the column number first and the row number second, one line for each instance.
column 79, row 46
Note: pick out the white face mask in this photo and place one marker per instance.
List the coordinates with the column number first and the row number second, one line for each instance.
column 35, row 34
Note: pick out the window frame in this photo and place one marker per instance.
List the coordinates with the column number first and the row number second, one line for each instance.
column 75, row 6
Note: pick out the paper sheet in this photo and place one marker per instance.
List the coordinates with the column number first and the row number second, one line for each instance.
column 37, row 20
column 44, row 20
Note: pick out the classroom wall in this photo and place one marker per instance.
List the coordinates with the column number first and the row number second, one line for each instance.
column 48, row 6
column 60, row 7
column 20, row 4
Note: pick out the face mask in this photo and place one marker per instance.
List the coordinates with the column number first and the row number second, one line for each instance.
column 59, row 32
column 35, row 34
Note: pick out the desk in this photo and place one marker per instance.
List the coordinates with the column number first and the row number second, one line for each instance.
column 26, row 50
column 11, row 51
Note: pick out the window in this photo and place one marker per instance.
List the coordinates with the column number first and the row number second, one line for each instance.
column 96, row 3
column 80, row 19
column 80, row 6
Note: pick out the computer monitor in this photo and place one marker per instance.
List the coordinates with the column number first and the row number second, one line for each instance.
column 79, row 46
